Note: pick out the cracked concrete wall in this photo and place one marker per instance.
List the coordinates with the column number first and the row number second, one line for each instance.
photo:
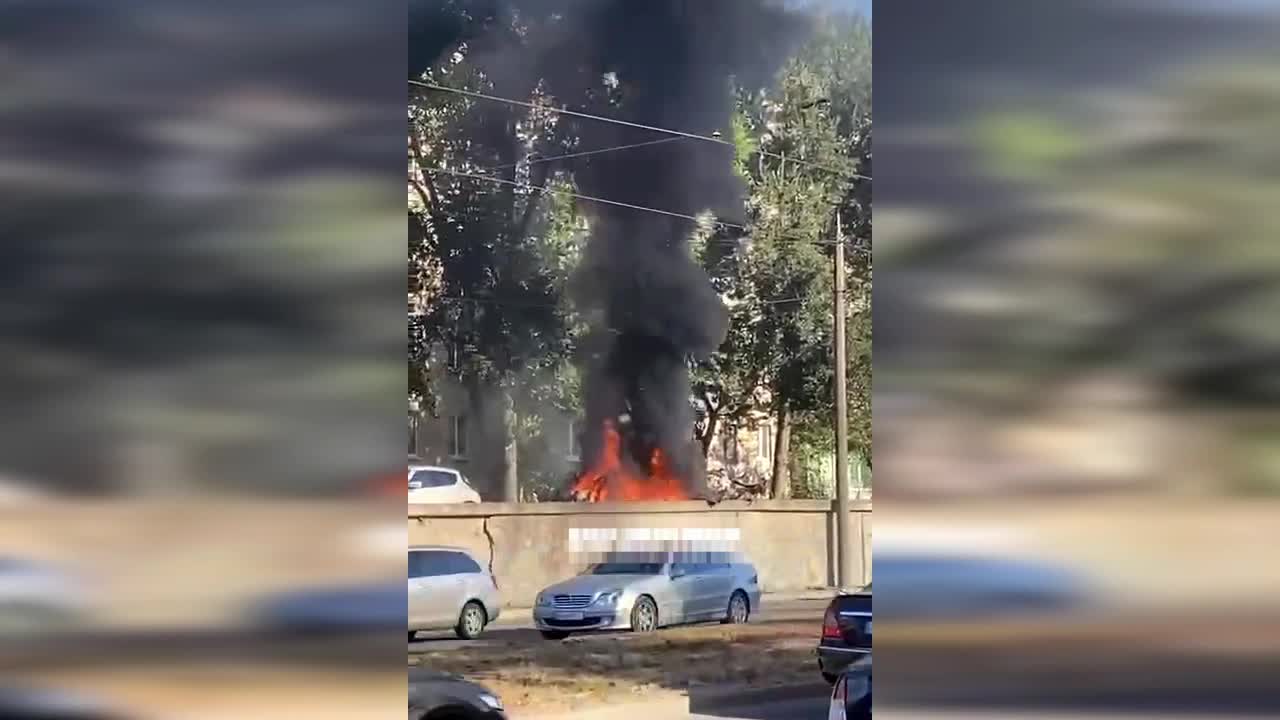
column 527, row 546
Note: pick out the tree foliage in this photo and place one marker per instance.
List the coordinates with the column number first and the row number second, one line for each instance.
column 800, row 145
column 489, row 252
column 490, row 259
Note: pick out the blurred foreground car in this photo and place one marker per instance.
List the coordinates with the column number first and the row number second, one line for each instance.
column 643, row 596
column 920, row 585
column 334, row 609
column 439, row 696
column 430, row 484
column 449, row 589
column 28, row 704
column 851, row 695
column 846, row 633
column 37, row 598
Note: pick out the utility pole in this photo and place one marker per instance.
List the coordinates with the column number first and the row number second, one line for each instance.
column 844, row 575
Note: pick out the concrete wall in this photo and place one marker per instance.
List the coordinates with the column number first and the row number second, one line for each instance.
column 527, row 545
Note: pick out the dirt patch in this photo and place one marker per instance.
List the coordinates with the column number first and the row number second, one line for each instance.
column 597, row 669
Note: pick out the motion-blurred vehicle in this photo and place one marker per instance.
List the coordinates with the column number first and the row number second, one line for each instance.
column 18, row 703
column 921, row 585
column 37, row 598
column 341, row 609
column 622, row 594
column 435, row 695
column 449, row 589
column 851, row 694
column 430, row 484
column 846, row 633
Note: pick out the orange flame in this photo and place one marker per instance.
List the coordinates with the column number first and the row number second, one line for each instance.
column 611, row 479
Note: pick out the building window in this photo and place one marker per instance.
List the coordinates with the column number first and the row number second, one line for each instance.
column 455, row 355
column 458, row 436
column 764, row 441
column 729, row 445
column 573, row 451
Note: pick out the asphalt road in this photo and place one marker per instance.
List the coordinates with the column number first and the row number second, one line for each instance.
column 806, row 709
column 508, row 630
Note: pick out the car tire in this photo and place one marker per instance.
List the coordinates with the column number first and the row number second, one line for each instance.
column 644, row 615
column 471, row 621
column 831, row 679
column 739, row 610
column 554, row 634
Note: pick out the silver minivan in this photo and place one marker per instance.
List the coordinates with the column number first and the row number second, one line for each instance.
column 449, row 589
column 643, row 594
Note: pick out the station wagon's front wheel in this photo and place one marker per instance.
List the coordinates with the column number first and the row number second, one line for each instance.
column 644, row 615
column 471, row 621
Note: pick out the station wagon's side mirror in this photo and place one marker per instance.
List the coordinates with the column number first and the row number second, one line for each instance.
column 677, row 572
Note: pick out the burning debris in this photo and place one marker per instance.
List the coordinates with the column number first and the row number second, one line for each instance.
column 615, row 476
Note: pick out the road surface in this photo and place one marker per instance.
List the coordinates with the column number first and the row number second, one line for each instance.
column 807, row 709
column 519, row 629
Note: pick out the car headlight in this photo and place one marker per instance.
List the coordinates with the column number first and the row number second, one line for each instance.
column 491, row 700
column 608, row 598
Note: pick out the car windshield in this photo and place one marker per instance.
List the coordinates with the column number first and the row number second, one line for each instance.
column 625, row 569
column 431, row 479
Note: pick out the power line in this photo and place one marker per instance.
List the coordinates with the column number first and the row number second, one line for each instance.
column 570, row 193
column 585, row 153
column 517, row 303
column 590, row 198
column 626, row 123
column 566, row 111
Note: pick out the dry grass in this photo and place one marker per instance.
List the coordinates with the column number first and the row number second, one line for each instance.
column 596, row 669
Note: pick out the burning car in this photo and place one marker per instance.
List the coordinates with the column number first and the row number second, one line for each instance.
column 616, row 476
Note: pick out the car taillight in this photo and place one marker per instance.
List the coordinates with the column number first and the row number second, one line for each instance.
column 830, row 626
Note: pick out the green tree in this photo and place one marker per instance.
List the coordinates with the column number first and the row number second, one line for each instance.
column 801, row 145
column 480, row 255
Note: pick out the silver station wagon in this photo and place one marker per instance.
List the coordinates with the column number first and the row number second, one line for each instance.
column 643, row 595
column 449, row 589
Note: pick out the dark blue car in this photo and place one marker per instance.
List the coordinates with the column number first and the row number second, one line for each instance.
column 336, row 609
column 938, row 586
column 851, row 696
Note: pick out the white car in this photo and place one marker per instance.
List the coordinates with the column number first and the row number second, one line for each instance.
column 37, row 598
column 439, row 485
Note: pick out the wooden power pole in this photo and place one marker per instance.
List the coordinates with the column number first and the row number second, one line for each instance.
column 844, row 551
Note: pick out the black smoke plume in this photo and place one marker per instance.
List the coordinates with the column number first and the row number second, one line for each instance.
column 656, row 310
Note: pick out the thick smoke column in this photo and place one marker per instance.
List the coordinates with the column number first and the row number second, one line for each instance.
column 653, row 307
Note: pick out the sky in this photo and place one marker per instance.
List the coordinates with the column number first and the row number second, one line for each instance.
column 862, row 6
